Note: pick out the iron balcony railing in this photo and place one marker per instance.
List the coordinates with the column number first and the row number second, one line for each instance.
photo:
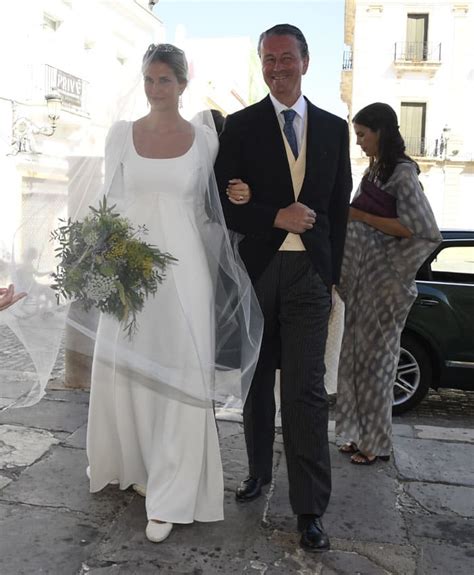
column 417, row 147
column 347, row 60
column 436, row 149
column 417, row 52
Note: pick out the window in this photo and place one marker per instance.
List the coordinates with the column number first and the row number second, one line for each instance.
column 412, row 127
column 455, row 259
column 417, row 37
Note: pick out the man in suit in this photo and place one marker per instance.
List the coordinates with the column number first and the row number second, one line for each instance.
column 285, row 182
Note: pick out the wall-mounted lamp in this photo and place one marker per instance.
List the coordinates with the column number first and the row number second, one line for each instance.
column 24, row 129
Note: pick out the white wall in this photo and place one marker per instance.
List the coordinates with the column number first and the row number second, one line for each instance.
column 447, row 88
column 92, row 35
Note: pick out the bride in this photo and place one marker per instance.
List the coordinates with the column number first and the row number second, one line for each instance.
column 151, row 420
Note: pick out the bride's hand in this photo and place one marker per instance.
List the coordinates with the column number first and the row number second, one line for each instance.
column 238, row 192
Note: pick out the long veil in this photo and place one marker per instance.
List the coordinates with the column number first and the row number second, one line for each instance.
column 41, row 329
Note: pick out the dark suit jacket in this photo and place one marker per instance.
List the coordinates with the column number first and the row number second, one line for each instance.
column 252, row 148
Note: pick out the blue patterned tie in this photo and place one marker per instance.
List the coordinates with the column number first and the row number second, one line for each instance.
column 289, row 131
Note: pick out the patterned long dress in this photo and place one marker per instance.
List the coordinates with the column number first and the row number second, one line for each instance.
column 378, row 288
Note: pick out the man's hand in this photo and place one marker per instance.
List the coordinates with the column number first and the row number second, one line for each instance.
column 295, row 218
column 8, row 296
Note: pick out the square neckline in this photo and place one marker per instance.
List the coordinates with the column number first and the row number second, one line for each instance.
column 171, row 157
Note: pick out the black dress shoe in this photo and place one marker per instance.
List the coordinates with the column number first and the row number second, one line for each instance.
column 250, row 488
column 313, row 536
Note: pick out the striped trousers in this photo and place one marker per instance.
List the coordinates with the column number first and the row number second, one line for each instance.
column 296, row 304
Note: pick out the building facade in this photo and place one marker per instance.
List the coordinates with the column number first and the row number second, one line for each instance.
column 75, row 50
column 419, row 58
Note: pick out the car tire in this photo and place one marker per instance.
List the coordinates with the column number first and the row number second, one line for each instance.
column 414, row 374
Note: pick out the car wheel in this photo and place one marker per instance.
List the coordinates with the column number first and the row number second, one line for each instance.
column 414, row 373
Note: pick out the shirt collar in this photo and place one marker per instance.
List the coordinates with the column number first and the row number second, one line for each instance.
column 299, row 106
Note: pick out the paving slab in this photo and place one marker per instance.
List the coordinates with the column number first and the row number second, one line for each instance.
column 127, row 569
column 59, row 480
column 77, row 439
column 234, row 441
column 445, row 559
column 43, row 541
column 15, row 383
column 229, row 429
column 403, row 430
column 70, row 395
column 455, row 530
column 235, row 467
column 362, row 498
column 223, row 543
column 21, row 446
column 240, row 544
column 443, row 499
column 462, row 434
column 52, row 415
column 4, row 481
column 435, row 461
column 348, row 563
column 396, row 559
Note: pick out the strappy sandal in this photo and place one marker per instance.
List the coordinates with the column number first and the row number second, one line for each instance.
column 366, row 460
column 348, row 447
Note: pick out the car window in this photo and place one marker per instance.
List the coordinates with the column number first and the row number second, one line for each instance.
column 454, row 259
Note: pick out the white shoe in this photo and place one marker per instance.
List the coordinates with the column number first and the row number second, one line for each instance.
column 88, row 473
column 157, row 532
column 139, row 489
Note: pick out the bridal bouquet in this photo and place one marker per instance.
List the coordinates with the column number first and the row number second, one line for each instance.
column 105, row 264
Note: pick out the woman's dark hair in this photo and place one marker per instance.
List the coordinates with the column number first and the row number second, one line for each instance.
column 168, row 54
column 286, row 30
column 381, row 118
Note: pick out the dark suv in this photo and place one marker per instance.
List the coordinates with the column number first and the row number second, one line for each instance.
column 437, row 345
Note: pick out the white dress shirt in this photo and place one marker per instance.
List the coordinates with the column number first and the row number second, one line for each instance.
column 300, row 107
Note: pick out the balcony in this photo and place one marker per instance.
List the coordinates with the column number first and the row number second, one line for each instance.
column 417, row 57
column 419, row 52
column 437, row 149
column 418, row 147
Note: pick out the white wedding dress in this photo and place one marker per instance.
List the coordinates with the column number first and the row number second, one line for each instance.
column 140, row 430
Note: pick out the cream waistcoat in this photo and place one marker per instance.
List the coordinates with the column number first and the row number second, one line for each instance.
column 293, row 242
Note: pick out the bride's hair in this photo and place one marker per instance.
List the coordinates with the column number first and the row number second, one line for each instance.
column 171, row 55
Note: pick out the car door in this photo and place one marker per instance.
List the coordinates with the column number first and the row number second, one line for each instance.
column 444, row 312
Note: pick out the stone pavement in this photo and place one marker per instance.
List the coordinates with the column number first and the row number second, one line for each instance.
column 412, row 515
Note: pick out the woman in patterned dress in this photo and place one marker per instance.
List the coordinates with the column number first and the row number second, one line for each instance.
column 391, row 231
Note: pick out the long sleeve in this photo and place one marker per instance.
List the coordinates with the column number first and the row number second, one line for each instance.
column 114, row 146
column 255, row 218
column 339, row 206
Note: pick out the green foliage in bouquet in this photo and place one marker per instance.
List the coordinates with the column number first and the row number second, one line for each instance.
column 105, row 264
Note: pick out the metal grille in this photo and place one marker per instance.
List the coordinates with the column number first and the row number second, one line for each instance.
column 417, row 52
